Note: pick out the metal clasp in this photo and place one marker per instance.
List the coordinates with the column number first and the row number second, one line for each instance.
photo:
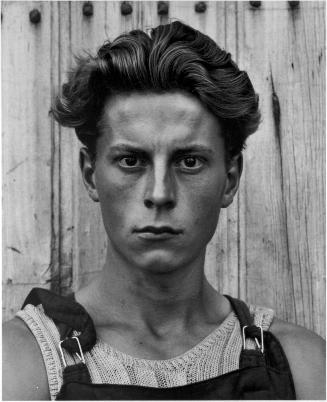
column 80, row 355
column 261, row 347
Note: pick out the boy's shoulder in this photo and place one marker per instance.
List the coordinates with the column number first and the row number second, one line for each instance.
column 24, row 376
column 305, row 352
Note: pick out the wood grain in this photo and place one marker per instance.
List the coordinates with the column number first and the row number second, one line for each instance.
column 27, row 152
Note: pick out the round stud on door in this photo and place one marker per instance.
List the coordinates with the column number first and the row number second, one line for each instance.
column 163, row 7
column 126, row 8
column 200, row 7
column 294, row 4
column 88, row 9
column 255, row 4
column 35, row 16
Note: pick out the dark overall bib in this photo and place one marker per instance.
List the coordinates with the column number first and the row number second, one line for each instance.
column 263, row 373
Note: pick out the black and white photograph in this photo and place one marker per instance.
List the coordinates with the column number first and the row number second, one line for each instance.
column 163, row 200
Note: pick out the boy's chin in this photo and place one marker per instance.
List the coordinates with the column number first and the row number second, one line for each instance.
column 160, row 263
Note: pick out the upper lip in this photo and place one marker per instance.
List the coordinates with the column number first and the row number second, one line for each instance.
column 158, row 230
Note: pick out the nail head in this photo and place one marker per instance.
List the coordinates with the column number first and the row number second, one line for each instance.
column 88, row 9
column 163, row 7
column 126, row 8
column 255, row 4
column 35, row 16
column 200, row 7
column 294, row 4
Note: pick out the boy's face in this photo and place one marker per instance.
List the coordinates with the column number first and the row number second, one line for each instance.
column 160, row 177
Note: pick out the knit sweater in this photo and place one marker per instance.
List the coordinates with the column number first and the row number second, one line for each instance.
column 216, row 354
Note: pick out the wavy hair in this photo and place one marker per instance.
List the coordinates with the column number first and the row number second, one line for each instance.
column 172, row 57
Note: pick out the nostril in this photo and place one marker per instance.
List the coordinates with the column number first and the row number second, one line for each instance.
column 148, row 203
column 168, row 204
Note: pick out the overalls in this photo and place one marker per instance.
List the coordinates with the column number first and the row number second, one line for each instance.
column 263, row 373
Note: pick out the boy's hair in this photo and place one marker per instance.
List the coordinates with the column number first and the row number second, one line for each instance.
column 173, row 57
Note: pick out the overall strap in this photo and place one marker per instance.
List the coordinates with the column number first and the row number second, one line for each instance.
column 68, row 316
column 269, row 355
column 249, row 357
column 246, row 321
column 241, row 310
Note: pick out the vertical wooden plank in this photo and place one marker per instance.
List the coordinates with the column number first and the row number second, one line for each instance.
column 65, row 157
column 302, row 103
column 55, row 155
column 279, row 208
column 27, row 152
column 226, row 267
column 263, row 233
column 87, row 240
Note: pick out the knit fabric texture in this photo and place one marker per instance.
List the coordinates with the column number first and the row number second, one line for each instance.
column 215, row 355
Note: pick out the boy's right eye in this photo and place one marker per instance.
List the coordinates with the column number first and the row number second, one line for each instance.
column 130, row 162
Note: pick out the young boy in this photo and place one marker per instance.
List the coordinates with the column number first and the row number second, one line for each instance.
column 163, row 120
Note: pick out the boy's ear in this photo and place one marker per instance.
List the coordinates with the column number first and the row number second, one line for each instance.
column 87, row 166
column 234, row 172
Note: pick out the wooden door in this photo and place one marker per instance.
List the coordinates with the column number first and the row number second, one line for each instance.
column 269, row 247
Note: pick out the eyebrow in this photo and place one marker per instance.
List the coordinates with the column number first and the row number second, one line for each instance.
column 179, row 150
column 126, row 147
column 194, row 148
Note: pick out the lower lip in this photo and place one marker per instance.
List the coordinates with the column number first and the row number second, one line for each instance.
column 159, row 236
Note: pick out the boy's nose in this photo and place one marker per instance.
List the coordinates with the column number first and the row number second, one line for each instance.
column 160, row 189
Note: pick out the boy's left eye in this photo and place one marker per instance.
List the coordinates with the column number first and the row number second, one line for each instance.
column 190, row 162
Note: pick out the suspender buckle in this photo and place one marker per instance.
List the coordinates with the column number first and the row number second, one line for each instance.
column 260, row 346
column 79, row 355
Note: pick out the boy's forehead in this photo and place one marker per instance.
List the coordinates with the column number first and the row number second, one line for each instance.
column 159, row 122
column 159, row 109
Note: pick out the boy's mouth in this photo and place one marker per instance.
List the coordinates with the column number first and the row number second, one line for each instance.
column 158, row 230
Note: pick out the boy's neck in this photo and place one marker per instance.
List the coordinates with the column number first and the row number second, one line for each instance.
column 121, row 294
